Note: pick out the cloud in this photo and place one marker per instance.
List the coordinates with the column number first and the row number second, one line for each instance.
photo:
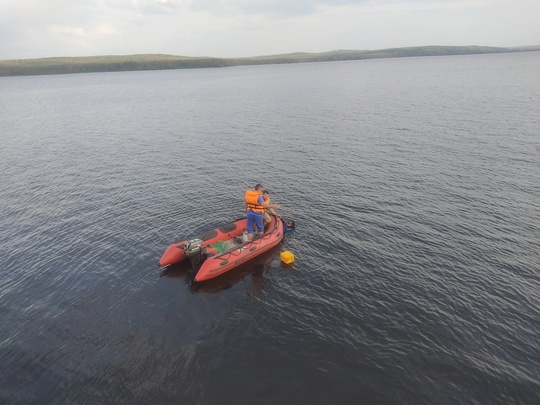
column 230, row 28
column 66, row 31
column 159, row 7
column 275, row 8
column 106, row 29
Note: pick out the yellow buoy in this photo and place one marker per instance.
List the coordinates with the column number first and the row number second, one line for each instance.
column 287, row 257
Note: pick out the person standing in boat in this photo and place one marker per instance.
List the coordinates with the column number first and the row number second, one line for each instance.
column 255, row 207
column 266, row 215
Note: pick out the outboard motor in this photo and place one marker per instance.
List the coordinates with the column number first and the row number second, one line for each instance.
column 194, row 249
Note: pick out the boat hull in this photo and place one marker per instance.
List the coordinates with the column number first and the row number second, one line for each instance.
column 175, row 252
column 231, row 258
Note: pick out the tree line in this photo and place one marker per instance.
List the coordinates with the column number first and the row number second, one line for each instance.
column 66, row 65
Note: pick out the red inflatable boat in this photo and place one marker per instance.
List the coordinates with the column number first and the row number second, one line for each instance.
column 222, row 249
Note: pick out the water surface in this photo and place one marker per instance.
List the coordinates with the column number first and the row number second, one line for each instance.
column 414, row 183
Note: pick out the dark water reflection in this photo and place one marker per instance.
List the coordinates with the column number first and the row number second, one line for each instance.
column 255, row 269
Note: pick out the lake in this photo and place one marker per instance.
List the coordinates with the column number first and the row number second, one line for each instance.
column 415, row 187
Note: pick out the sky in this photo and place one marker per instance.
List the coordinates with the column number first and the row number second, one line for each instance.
column 243, row 28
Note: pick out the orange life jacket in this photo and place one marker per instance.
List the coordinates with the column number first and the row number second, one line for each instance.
column 252, row 203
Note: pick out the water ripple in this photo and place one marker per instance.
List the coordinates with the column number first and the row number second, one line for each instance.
column 417, row 239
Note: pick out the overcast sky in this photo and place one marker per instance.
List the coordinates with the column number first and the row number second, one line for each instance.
column 233, row 28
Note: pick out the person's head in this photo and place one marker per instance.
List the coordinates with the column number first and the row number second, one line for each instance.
column 258, row 187
column 289, row 226
column 266, row 194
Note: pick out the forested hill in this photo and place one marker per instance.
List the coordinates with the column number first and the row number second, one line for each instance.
column 64, row 65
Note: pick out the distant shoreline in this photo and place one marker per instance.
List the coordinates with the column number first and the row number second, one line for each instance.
column 93, row 64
